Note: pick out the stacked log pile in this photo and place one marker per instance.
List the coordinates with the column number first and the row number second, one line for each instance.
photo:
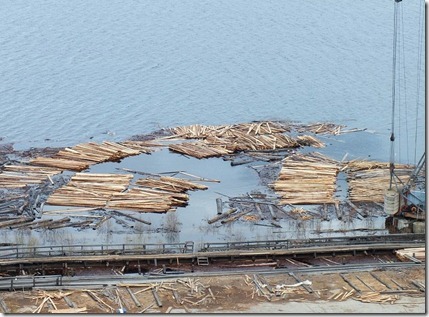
column 307, row 179
column 368, row 181
column 89, row 190
column 222, row 140
column 17, row 176
column 82, row 156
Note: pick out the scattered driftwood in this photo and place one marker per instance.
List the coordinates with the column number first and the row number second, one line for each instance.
column 131, row 217
column 235, row 217
column 221, row 216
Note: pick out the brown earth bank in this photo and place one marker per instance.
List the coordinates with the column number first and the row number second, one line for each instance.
column 377, row 291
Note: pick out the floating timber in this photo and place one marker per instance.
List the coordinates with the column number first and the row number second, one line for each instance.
column 307, row 179
column 224, row 140
column 16, row 176
column 170, row 184
column 199, row 149
column 113, row 191
column 84, row 155
column 89, row 190
column 201, row 132
column 368, row 181
column 320, row 128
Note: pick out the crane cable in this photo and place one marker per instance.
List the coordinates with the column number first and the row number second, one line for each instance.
column 419, row 63
column 392, row 134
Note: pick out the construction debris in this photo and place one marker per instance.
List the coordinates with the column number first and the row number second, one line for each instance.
column 413, row 254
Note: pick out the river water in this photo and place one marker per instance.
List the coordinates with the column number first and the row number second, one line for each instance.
column 74, row 71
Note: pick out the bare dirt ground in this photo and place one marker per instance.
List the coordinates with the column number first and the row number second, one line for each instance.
column 239, row 294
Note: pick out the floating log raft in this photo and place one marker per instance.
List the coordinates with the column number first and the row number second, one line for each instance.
column 368, row 181
column 199, row 149
column 148, row 200
column 240, row 141
column 320, row 128
column 82, row 156
column 89, row 190
column 17, row 176
column 112, row 191
column 307, row 179
column 224, row 140
column 201, row 132
column 170, row 184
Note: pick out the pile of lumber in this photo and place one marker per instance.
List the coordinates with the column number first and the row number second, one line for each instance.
column 16, row 176
column 82, row 156
column 199, row 149
column 368, row 181
column 89, row 190
column 307, row 179
column 412, row 254
column 171, row 184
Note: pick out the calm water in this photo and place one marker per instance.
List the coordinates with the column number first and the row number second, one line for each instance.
column 76, row 70
column 72, row 70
